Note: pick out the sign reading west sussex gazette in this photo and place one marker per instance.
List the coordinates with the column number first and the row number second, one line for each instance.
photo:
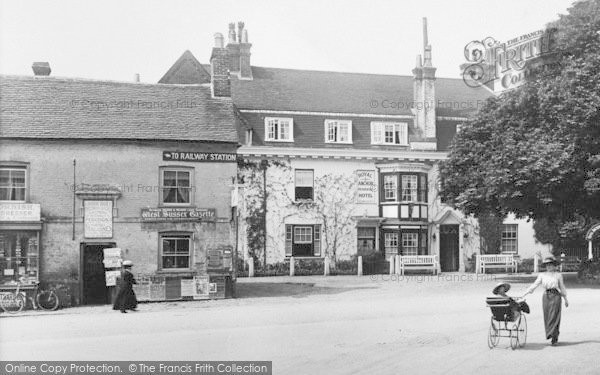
column 214, row 157
column 177, row 214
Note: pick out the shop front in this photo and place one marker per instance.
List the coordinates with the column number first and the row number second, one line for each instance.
column 20, row 231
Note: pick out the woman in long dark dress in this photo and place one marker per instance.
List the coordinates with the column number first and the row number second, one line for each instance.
column 126, row 299
column 554, row 285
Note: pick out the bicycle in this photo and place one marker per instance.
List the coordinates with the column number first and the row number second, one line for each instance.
column 14, row 302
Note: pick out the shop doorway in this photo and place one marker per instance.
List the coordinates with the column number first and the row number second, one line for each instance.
column 92, row 279
column 449, row 248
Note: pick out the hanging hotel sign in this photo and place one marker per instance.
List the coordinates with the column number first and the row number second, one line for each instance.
column 367, row 186
column 19, row 212
column 98, row 219
column 177, row 214
column 210, row 157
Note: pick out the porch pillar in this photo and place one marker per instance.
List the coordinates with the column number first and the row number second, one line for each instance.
column 250, row 267
column 590, row 250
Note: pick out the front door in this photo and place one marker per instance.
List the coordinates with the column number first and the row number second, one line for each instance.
column 449, row 248
column 93, row 281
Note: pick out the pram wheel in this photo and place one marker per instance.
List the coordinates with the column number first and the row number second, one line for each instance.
column 522, row 331
column 493, row 333
column 518, row 335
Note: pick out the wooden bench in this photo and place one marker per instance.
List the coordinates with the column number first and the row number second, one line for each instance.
column 411, row 262
column 569, row 263
column 488, row 261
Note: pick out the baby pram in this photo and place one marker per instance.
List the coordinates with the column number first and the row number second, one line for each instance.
column 508, row 320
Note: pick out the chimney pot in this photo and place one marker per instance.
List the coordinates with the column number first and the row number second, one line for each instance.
column 136, row 78
column 232, row 32
column 219, row 40
column 41, row 68
column 240, row 31
column 245, row 36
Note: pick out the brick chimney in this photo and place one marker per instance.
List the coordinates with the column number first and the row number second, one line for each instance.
column 219, row 69
column 41, row 68
column 424, row 90
column 238, row 51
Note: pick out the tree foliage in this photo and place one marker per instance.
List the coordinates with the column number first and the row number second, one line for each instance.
column 535, row 150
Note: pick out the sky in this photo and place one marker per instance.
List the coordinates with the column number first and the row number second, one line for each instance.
column 115, row 39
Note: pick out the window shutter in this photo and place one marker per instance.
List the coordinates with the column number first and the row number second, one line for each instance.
column 288, row 240
column 376, row 133
column 317, row 241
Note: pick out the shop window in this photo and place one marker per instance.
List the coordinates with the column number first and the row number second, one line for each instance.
column 509, row 238
column 19, row 254
column 279, row 129
column 304, row 184
column 303, row 240
column 175, row 251
column 176, row 186
column 13, row 184
column 366, row 239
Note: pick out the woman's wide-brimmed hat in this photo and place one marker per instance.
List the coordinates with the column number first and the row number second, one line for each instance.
column 127, row 263
column 550, row 260
column 505, row 285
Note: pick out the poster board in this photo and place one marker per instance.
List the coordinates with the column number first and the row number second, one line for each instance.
column 98, row 218
column 201, row 290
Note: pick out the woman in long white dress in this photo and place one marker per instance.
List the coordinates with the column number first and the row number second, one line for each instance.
column 552, row 281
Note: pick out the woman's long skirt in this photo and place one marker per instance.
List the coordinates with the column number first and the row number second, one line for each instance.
column 552, row 304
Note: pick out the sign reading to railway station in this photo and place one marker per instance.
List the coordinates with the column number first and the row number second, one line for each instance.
column 177, row 214
column 209, row 157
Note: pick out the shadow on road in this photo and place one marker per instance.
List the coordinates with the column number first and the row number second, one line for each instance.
column 541, row 346
column 299, row 290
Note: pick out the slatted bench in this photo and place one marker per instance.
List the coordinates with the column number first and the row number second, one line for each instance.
column 569, row 263
column 506, row 261
column 411, row 262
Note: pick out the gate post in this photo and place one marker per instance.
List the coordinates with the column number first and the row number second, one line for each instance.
column 250, row 267
column 292, row 264
column 392, row 264
column 326, row 266
column 360, row 266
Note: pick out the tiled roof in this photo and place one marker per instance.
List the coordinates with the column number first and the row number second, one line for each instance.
column 186, row 70
column 322, row 91
column 48, row 107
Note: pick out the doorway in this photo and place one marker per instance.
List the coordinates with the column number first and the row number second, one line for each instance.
column 449, row 261
column 93, row 281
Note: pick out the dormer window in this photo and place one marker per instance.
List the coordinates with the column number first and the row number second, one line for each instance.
column 279, row 129
column 338, row 131
column 389, row 133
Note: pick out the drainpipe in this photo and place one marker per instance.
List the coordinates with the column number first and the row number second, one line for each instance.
column 74, row 190
column 263, row 164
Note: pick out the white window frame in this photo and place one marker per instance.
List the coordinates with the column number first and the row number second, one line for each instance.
column 336, row 126
column 508, row 230
column 410, row 243
column 379, row 128
column 26, row 183
column 270, row 136
column 175, row 236
column 304, row 232
column 192, row 188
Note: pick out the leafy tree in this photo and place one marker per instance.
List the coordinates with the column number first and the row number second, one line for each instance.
column 535, row 150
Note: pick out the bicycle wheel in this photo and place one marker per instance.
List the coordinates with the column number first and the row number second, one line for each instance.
column 12, row 303
column 47, row 300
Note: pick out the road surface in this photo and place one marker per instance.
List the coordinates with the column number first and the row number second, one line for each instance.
column 317, row 325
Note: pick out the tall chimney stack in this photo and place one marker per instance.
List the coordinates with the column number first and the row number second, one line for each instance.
column 219, row 69
column 245, row 67
column 424, row 91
